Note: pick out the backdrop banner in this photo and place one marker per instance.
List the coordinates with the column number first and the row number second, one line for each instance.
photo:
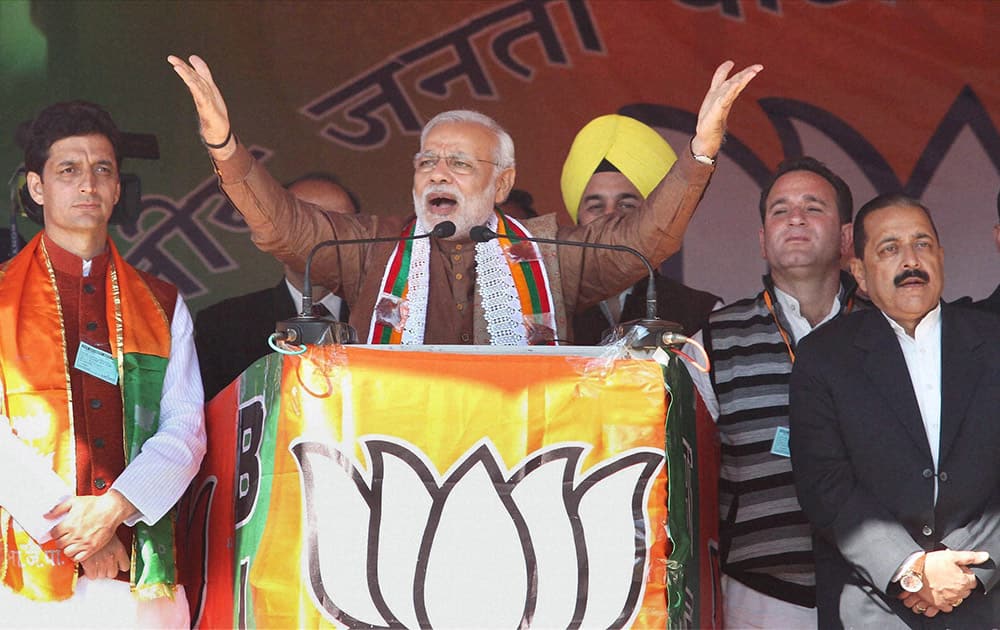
column 357, row 487
column 891, row 95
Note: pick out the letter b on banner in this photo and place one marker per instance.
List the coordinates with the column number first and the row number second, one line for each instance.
column 249, row 467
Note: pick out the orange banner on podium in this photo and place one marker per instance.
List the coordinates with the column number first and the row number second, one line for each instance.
column 387, row 488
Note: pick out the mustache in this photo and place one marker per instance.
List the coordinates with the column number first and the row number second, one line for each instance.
column 911, row 273
column 438, row 189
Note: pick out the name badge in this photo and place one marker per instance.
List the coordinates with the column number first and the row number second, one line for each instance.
column 779, row 446
column 97, row 363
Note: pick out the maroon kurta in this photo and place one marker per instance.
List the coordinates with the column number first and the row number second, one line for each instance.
column 97, row 404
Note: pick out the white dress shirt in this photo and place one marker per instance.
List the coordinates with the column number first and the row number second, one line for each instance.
column 922, row 353
column 799, row 325
column 157, row 477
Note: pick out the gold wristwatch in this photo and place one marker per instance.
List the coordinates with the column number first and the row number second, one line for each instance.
column 912, row 579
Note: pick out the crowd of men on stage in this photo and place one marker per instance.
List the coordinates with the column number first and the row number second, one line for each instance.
column 857, row 412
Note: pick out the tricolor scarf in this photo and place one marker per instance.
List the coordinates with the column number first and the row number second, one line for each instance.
column 36, row 393
column 510, row 279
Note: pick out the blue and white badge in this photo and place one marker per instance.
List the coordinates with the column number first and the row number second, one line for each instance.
column 97, row 363
column 779, row 446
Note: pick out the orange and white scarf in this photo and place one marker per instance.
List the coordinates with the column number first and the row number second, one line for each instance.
column 510, row 279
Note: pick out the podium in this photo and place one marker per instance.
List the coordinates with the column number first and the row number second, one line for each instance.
column 448, row 487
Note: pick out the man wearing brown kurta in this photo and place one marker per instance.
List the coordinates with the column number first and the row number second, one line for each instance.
column 454, row 182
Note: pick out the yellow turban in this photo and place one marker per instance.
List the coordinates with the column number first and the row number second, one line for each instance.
column 637, row 151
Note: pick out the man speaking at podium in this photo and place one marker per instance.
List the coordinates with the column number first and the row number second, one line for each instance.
column 452, row 290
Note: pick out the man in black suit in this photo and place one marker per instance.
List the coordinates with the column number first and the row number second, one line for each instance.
column 232, row 334
column 895, row 437
column 992, row 302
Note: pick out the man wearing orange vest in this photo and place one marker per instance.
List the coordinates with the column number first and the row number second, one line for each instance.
column 101, row 423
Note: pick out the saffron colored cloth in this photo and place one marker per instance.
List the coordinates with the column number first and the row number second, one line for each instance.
column 393, row 483
column 156, row 476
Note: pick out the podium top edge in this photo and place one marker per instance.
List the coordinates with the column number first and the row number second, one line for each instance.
column 571, row 351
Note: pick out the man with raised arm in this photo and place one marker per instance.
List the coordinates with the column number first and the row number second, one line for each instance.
column 613, row 163
column 447, row 291
column 230, row 335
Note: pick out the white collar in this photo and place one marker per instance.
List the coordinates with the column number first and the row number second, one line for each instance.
column 800, row 326
column 929, row 324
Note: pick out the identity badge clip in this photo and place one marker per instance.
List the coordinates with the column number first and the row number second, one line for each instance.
column 779, row 446
column 97, row 363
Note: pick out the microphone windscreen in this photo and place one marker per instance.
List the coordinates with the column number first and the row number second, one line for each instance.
column 443, row 229
column 481, row 234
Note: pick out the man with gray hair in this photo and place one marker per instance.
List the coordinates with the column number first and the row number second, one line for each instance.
column 894, row 436
column 452, row 290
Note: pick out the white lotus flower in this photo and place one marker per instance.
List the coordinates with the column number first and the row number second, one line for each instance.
column 400, row 546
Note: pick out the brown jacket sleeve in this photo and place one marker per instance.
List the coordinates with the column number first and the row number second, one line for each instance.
column 288, row 228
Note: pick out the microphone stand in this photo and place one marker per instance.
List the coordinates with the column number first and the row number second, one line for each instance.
column 308, row 329
column 647, row 333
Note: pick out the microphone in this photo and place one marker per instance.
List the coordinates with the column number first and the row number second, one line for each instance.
column 656, row 329
column 308, row 329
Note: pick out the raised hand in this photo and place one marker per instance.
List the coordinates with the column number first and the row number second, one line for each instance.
column 715, row 107
column 107, row 561
column 213, row 116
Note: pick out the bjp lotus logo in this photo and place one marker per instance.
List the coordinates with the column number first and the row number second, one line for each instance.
column 400, row 546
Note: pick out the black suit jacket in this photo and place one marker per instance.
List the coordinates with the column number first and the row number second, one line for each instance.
column 990, row 303
column 232, row 334
column 864, row 473
column 675, row 302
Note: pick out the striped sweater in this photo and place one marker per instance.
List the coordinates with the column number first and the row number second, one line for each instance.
column 765, row 539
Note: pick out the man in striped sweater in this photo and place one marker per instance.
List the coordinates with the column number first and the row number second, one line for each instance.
column 765, row 540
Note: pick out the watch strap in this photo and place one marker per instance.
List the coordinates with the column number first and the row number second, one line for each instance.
column 704, row 159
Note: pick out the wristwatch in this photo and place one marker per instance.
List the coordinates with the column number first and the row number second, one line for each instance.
column 912, row 579
column 704, row 159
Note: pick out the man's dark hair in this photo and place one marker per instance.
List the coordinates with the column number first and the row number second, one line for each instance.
column 329, row 178
column 845, row 201
column 878, row 203
column 64, row 120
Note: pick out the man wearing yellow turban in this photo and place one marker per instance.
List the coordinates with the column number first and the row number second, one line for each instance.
column 614, row 163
